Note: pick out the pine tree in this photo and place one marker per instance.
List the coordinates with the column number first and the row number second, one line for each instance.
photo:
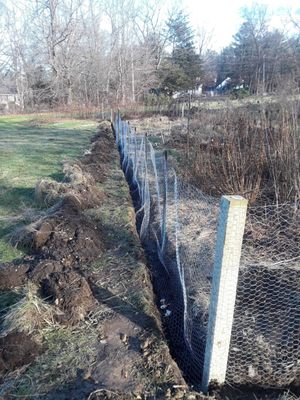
column 182, row 68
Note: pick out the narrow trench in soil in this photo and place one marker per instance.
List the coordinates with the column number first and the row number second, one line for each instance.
column 169, row 291
column 164, row 288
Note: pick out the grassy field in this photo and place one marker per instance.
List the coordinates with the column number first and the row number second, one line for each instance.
column 33, row 147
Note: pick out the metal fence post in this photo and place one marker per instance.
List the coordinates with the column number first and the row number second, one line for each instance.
column 165, row 199
column 224, row 285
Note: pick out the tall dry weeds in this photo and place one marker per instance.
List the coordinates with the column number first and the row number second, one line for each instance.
column 253, row 151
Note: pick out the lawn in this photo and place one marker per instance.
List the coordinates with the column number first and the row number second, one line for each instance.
column 33, row 147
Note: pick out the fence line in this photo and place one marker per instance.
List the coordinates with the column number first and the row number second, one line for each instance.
column 178, row 224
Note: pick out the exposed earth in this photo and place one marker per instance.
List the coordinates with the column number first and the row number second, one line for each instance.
column 86, row 269
column 80, row 320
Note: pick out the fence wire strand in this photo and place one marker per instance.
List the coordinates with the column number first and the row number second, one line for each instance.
column 179, row 223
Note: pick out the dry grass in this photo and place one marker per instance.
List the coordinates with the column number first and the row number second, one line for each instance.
column 22, row 236
column 30, row 314
column 74, row 175
column 49, row 191
column 288, row 396
column 252, row 152
column 68, row 352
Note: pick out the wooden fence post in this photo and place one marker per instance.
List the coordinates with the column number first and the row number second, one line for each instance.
column 224, row 285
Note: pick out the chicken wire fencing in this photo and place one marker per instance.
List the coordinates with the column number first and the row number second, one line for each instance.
column 178, row 225
column 265, row 340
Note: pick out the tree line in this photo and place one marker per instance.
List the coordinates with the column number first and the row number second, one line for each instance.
column 261, row 58
column 100, row 52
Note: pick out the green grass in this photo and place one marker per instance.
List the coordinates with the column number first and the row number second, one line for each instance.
column 33, row 147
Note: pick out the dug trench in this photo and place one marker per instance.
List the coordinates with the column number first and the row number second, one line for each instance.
column 78, row 315
column 168, row 289
column 168, row 293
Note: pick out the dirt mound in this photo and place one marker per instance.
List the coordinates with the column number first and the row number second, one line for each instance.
column 95, row 162
column 65, row 233
column 65, row 237
column 60, row 242
column 16, row 350
column 13, row 274
column 74, row 238
column 71, row 293
column 87, row 264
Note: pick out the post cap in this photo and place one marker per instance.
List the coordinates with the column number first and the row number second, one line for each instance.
column 235, row 200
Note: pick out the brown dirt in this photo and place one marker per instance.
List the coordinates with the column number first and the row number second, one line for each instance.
column 13, row 274
column 17, row 349
column 103, row 394
column 66, row 237
column 101, row 154
column 71, row 293
column 74, row 238
column 60, row 243
column 66, row 247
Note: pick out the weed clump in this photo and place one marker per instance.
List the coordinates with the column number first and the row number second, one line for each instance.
column 30, row 314
column 251, row 151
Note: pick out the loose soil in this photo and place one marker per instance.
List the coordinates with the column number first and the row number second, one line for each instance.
column 105, row 340
column 176, row 339
column 17, row 349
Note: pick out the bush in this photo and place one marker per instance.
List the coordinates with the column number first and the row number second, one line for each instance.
column 239, row 93
column 254, row 153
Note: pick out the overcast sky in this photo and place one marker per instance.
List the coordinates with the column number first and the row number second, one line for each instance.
column 223, row 17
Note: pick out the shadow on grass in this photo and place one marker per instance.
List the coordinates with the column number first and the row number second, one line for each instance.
column 115, row 235
column 115, row 303
column 7, row 299
column 58, row 176
column 6, row 229
column 77, row 389
column 12, row 197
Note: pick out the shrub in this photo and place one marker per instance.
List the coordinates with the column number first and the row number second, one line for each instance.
column 252, row 152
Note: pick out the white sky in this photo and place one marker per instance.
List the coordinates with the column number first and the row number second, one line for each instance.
column 223, row 16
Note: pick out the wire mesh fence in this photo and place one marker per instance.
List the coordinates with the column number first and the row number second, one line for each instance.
column 265, row 341
column 178, row 225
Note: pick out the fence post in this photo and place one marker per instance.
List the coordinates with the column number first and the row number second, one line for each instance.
column 135, row 152
column 165, row 199
column 224, row 285
column 102, row 111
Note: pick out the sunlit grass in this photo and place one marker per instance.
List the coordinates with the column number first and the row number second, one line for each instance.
column 33, row 147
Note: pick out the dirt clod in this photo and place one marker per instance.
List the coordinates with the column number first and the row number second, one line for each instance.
column 71, row 293
column 13, row 275
column 43, row 234
column 17, row 349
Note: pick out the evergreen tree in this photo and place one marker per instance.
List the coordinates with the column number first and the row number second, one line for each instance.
column 181, row 70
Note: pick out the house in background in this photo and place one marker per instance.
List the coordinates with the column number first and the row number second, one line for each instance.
column 9, row 100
